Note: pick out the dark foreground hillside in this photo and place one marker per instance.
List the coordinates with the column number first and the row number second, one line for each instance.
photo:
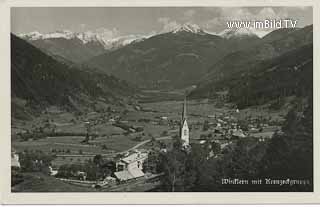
column 38, row 81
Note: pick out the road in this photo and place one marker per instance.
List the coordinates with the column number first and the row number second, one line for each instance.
column 123, row 152
column 145, row 142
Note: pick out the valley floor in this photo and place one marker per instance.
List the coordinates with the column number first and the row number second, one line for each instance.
column 123, row 129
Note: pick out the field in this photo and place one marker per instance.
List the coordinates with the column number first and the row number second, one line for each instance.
column 60, row 144
column 157, row 119
column 116, row 132
column 38, row 182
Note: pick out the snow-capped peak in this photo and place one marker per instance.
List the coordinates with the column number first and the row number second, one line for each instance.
column 88, row 36
column 31, row 36
column 117, row 42
column 107, row 41
column 188, row 27
column 57, row 34
column 237, row 32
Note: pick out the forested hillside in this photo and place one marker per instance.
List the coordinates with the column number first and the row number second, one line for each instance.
column 38, row 80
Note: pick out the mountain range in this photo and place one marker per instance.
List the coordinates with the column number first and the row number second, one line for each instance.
column 174, row 59
column 39, row 80
column 188, row 56
column 236, row 69
column 77, row 46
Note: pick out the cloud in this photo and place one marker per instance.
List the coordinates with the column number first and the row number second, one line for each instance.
column 163, row 20
column 83, row 26
column 168, row 24
column 108, row 33
column 263, row 13
column 225, row 14
column 270, row 13
column 233, row 13
column 266, row 13
column 187, row 15
column 214, row 19
column 215, row 22
column 246, row 14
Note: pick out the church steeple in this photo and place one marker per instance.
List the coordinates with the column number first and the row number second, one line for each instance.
column 184, row 109
column 184, row 129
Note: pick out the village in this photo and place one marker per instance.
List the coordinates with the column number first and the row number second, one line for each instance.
column 86, row 157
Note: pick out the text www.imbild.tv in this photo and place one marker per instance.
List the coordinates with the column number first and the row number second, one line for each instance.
column 262, row 24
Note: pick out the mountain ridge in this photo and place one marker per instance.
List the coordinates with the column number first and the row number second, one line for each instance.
column 84, row 37
column 79, row 47
column 169, row 60
column 42, row 81
column 230, row 72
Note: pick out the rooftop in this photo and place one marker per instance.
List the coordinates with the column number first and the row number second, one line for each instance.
column 135, row 156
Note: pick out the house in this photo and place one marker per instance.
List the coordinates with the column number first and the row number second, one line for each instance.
column 52, row 171
column 225, row 144
column 164, row 118
column 238, row 133
column 81, row 175
column 138, row 108
column 130, row 167
column 202, row 141
column 15, row 160
column 112, row 120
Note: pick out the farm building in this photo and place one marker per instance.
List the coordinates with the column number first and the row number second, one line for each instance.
column 130, row 167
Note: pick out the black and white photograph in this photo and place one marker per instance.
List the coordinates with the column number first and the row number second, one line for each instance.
column 162, row 99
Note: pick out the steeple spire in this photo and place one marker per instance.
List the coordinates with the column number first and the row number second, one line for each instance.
column 184, row 129
column 184, row 109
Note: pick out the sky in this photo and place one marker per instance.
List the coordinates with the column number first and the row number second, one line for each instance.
column 120, row 21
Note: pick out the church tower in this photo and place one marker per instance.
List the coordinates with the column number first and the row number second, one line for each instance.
column 184, row 129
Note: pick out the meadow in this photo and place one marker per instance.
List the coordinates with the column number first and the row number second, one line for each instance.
column 156, row 118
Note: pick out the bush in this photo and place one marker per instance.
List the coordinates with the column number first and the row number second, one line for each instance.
column 35, row 161
column 165, row 133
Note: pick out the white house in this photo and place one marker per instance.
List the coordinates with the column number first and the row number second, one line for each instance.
column 131, row 166
column 15, row 160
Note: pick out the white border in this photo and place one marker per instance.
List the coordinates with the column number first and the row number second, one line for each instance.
column 143, row 198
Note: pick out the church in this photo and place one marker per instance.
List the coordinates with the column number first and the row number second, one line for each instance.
column 184, row 129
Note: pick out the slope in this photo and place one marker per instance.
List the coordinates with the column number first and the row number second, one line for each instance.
column 41, row 81
column 171, row 60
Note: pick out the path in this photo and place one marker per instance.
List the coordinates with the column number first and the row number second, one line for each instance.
column 123, row 152
column 145, row 142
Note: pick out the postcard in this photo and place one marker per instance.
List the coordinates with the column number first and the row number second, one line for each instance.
column 178, row 102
